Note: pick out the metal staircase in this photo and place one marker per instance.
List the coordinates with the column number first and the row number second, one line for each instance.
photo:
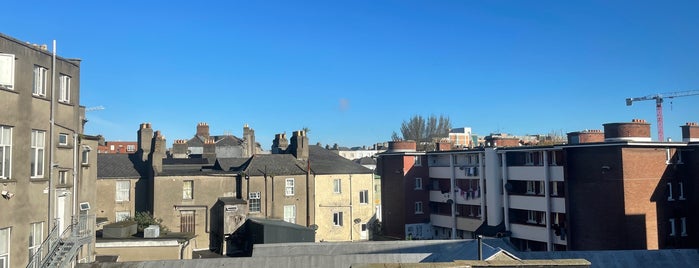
column 59, row 250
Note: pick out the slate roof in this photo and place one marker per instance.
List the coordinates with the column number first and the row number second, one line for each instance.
column 227, row 140
column 274, row 164
column 120, row 166
column 366, row 161
column 324, row 161
column 624, row 258
column 232, row 164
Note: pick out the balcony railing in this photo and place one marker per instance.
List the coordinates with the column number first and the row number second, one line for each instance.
column 59, row 249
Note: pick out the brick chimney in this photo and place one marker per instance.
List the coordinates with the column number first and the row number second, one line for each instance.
column 636, row 130
column 501, row 141
column 179, row 149
column 585, row 136
column 690, row 132
column 145, row 138
column 443, row 146
column 299, row 145
column 279, row 144
column 203, row 130
column 209, row 150
column 402, row 146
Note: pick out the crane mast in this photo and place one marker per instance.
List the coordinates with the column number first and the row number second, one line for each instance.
column 659, row 105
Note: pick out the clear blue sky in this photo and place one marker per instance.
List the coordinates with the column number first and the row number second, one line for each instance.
column 352, row 71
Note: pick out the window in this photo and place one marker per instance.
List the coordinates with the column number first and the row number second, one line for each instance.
column 122, row 215
column 529, row 159
column 63, row 139
column 290, row 213
column 188, row 190
column 672, row 227
column 5, row 248
column 337, row 186
column 681, row 191
column 7, row 80
column 63, row 177
column 418, row 161
column 254, row 202
column 418, row 183
column 36, row 236
column 40, row 78
column 131, row 148
column 5, row 151
column 554, row 188
column 86, row 156
column 337, row 218
column 37, row 153
column 64, row 89
column 418, row 207
column 123, row 190
column 683, row 221
column 531, row 187
column 531, row 216
column 187, row 223
column 364, row 197
column 289, row 187
column 669, row 192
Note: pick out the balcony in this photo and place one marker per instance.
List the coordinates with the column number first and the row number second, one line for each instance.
column 440, row 172
column 537, row 202
column 527, row 173
column 529, row 232
column 438, row 196
column 441, row 220
column 468, row 224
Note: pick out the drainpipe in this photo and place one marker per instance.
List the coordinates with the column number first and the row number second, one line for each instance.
column 505, row 194
column 52, row 121
column 481, row 179
column 547, row 195
column 75, row 175
column 480, row 247
column 452, row 183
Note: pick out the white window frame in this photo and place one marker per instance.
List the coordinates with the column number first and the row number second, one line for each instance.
column 290, row 213
column 418, row 183
column 5, row 152
column 418, row 161
column 338, row 218
column 38, row 149
column 5, row 255
column 531, row 187
column 40, row 81
column 528, row 158
column 364, row 197
column 62, row 139
column 681, row 191
column 130, row 148
column 188, row 190
column 7, row 79
column 254, row 206
column 337, row 186
column 36, row 237
column 121, row 215
column 64, row 88
column 669, row 192
column 85, row 157
column 683, row 222
column 554, row 188
column 418, row 207
column 123, row 191
column 289, row 187
column 531, row 217
column 63, row 177
column 672, row 227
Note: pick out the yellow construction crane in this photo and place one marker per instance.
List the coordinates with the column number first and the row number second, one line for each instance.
column 659, row 105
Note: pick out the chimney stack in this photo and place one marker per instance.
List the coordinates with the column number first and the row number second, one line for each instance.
column 690, row 132
column 402, row 146
column 203, row 130
column 209, row 150
column 158, row 152
column 279, row 144
column 299, row 145
column 636, row 130
column 145, row 137
column 249, row 141
column 179, row 149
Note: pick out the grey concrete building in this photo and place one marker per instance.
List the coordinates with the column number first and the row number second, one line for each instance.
column 47, row 165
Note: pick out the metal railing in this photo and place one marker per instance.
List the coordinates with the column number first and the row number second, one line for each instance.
column 80, row 232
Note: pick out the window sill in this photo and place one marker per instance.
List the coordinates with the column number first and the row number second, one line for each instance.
column 8, row 90
column 64, row 146
column 38, row 179
column 64, row 185
column 40, row 97
column 65, row 103
column 8, row 181
column 85, row 165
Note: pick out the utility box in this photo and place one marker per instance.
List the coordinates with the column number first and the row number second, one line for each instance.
column 122, row 229
column 152, row 231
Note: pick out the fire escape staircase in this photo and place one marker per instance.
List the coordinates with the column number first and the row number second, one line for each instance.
column 59, row 249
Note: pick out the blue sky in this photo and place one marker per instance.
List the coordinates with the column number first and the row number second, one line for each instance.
column 352, row 71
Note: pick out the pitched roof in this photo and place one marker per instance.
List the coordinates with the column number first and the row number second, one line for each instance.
column 227, row 140
column 324, row 161
column 230, row 164
column 120, row 166
column 274, row 164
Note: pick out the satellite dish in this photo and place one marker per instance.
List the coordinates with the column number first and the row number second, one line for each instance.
column 357, row 220
column 314, row 226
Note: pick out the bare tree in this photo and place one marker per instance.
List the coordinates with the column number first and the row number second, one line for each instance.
column 422, row 130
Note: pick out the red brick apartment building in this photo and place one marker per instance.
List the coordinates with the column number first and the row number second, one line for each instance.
column 118, row 147
column 611, row 189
